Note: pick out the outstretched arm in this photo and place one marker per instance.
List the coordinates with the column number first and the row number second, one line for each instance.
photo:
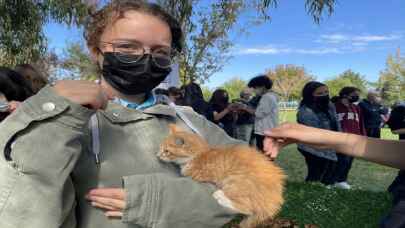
column 386, row 152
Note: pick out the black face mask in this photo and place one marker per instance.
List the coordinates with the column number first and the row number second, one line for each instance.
column 353, row 99
column 322, row 101
column 133, row 78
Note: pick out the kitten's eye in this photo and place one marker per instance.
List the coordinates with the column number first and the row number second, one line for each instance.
column 179, row 142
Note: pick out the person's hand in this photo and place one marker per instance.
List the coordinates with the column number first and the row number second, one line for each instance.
column 288, row 133
column 13, row 105
column 233, row 107
column 112, row 200
column 86, row 93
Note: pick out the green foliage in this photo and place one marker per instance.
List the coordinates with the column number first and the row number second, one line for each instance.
column 347, row 78
column 234, row 87
column 77, row 63
column 288, row 81
column 207, row 93
column 392, row 80
column 207, row 29
column 21, row 22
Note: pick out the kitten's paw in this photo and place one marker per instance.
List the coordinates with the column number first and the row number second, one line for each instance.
column 224, row 201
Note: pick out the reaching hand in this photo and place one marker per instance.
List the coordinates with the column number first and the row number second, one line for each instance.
column 288, row 133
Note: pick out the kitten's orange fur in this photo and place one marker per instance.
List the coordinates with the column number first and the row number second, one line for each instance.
column 253, row 184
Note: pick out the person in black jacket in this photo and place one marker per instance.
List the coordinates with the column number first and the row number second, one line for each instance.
column 396, row 217
column 193, row 97
column 373, row 112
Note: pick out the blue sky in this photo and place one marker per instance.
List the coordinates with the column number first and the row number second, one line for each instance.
column 358, row 36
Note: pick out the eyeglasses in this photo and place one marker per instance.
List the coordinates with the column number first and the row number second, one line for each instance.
column 162, row 56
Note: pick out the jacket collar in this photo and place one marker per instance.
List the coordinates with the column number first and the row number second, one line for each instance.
column 119, row 114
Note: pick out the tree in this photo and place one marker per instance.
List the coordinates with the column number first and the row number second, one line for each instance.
column 391, row 83
column 77, row 63
column 390, row 88
column 207, row 29
column 347, row 78
column 234, row 87
column 288, row 81
column 48, row 65
column 21, row 22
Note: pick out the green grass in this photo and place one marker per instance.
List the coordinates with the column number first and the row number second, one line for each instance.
column 308, row 203
column 313, row 204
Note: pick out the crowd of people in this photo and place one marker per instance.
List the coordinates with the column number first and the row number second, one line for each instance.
column 77, row 148
column 244, row 118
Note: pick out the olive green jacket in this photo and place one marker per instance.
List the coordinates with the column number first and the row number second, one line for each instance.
column 47, row 166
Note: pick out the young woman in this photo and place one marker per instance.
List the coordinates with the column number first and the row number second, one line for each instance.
column 68, row 163
column 221, row 112
column 351, row 120
column 316, row 110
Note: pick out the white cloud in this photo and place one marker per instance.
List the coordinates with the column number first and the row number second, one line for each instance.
column 268, row 50
column 264, row 50
column 376, row 38
column 335, row 43
column 334, row 38
column 321, row 51
column 355, row 39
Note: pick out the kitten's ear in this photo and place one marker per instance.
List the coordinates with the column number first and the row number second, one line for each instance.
column 173, row 128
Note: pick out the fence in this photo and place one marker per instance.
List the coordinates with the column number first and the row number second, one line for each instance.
column 288, row 105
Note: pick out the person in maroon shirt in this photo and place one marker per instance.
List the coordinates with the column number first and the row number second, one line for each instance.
column 351, row 120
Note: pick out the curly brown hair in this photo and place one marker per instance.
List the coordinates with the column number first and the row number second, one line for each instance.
column 116, row 9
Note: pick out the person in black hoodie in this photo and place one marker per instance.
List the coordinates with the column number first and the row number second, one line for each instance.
column 396, row 216
column 194, row 98
column 14, row 88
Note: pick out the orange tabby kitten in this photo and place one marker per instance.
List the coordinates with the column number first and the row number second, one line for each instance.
column 248, row 182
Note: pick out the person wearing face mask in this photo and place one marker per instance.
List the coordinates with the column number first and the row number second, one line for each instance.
column 84, row 154
column 351, row 121
column 373, row 112
column 221, row 112
column 266, row 113
column 245, row 121
column 317, row 111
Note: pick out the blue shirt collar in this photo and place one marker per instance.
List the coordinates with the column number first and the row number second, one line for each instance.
column 149, row 102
